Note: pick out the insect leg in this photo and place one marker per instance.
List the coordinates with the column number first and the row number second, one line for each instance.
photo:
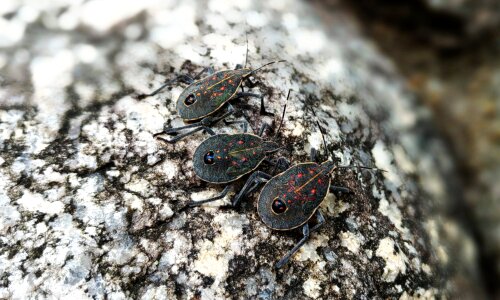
column 209, row 70
column 320, row 221
column 212, row 120
column 220, row 196
column 339, row 189
column 251, row 84
column 314, row 155
column 263, row 128
column 181, row 136
column 244, row 124
column 253, row 187
column 254, row 179
column 262, row 106
column 203, row 124
column 198, row 126
column 181, row 78
column 208, row 121
column 282, row 164
column 286, row 258
column 306, row 232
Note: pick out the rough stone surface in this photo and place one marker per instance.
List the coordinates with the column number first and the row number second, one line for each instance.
column 89, row 200
column 450, row 58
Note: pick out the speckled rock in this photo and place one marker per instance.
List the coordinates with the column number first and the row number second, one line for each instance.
column 90, row 200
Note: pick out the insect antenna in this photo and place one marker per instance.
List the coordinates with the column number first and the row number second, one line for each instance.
column 246, row 55
column 321, row 130
column 326, row 149
column 265, row 65
column 283, row 114
column 360, row 167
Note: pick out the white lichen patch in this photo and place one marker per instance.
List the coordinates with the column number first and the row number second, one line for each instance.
column 432, row 228
column 175, row 256
column 427, row 269
column 309, row 250
column 333, row 207
column 213, row 258
column 9, row 120
column 170, row 169
column 37, row 203
column 312, row 288
column 383, row 160
column 102, row 15
column 141, row 186
column 298, row 129
column 8, row 214
column 431, row 182
column 315, row 141
column 392, row 212
column 198, row 196
column 403, row 160
column 174, row 25
column 351, row 241
column 395, row 259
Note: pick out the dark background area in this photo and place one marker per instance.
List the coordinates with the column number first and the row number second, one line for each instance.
column 448, row 52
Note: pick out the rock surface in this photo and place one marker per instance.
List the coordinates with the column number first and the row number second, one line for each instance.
column 90, row 200
column 450, row 57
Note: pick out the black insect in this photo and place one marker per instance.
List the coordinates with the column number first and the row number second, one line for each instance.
column 224, row 158
column 289, row 200
column 203, row 97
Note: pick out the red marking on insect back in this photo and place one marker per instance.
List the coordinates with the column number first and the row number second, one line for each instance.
column 313, row 191
column 289, row 201
column 299, row 175
column 234, row 163
column 244, row 159
column 240, row 142
column 222, row 88
column 320, row 181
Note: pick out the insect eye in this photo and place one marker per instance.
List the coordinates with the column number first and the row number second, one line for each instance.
column 209, row 158
column 278, row 206
column 190, row 99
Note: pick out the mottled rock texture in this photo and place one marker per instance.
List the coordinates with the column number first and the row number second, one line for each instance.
column 90, row 200
column 448, row 51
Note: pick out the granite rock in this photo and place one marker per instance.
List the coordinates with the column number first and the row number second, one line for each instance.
column 90, row 201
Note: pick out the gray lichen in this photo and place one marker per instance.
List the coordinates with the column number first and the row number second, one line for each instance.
column 90, row 200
